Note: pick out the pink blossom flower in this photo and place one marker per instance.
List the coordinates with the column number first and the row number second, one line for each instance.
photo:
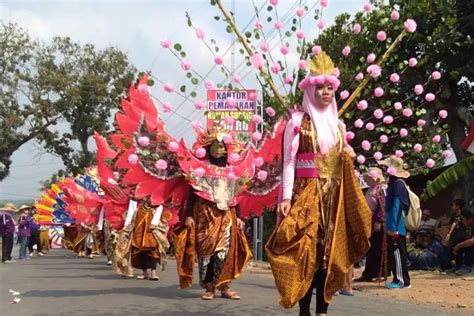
column 278, row 25
column 430, row 163
column 252, row 96
column 394, row 77
column 168, row 87
column 161, row 164
column 264, row 47
column 320, row 24
column 369, row 126
column 257, row 60
column 362, row 105
column 383, row 139
column 262, row 175
column 421, row 123
column 198, row 104
column 395, row 15
column 300, row 35
column 300, row 12
column 173, row 146
column 284, row 50
column 144, row 141
column 388, row 119
column 397, row 106
column 378, row 114
column 371, row 58
column 231, row 176
column 324, row 3
column 378, row 92
column 447, row 154
column 344, row 94
column 316, row 49
column 199, row 172
column 256, row 136
column 392, row 171
column 367, row 7
column 165, row 43
column 407, row 112
column 429, row 97
column 257, row 119
column 132, row 159
column 360, row 159
column 436, row 139
column 200, row 152
column 288, row 79
column 259, row 162
column 436, row 75
column 418, row 89
column 412, row 62
column 270, row 111
column 200, row 33
column 377, row 156
column 167, row 107
column 350, row 136
column 374, row 71
column 236, row 78
column 346, row 51
column 358, row 123
column 403, row 132
column 258, row 25
column 227, row 139
column 410, row 25
column 366, row 145
column 443, row 114
column 275, row 68
column 209, row 84
column 399, row 153
column 357, row 28
column 359, row 76
column 218, row 60
column 302, row 64
column 336, row 72
column 274, row 2
column 417, row 148
column 185, row 65
column 381, row 36
column 196, row 125
column 229, row 120
column 234, row 157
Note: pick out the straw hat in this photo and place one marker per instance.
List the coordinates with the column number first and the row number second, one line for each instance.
column 24, row 207
column 396, row 165
column 375, row 174
column 10, row 207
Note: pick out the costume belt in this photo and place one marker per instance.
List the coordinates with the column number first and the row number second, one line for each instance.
column 306, row 166
column 312, row 165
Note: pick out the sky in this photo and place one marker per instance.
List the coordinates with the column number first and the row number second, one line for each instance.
column 137, row 27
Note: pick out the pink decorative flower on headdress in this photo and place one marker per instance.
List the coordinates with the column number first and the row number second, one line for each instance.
column 374, row 71
column 360, row 159
column 264, row 47
column 397, row 106
column 257, row 61
column 167, row 107
column 378, row 92
column 278, row 25
column 412, row 62
column 407, row 112
column 262, row 175
column 275, row 68
column 358, row 123
column 274, row 2
column 144, row 141
column 284, row 49
column 403, row 132
column 350, row 136
column 161, row 164
column 316, row 49
column 377, row 156
column 324, row 3
column 258, row 162
column 383, row 139
column 258, row 25
column 359, row 76
column 357, row 28
column 421, row 123
column 209, row 84
column 395, row 15
column 270, row 111
column 199, row 172
column 218, row 60
column 344, row 94
column 168, row 87
column 430, row 163
column 165, row 43
column 198, row 104
column 399, row 153
column 256, row 136
column 443, row 114
column 436, row 139
column 436, row 75
column 288, row 79
column 229, row 120
column 394, row 77
column 378, row 114
column 371, row 58
column 418, row 89
column 417, row 148
column 185, row 65
column 388, row 119
column 429, row 97
column 320, row 24
column 236, row 78
column 200, row 153
column 300, row 35
column 200, row 33
column 300, row 12
column 381, row 36
column 366, row 145
column 447, row 154
column 369, row 126
column 302, row 64
column 410, row 25
column 367, row 7
column 346, row 51
column 132, row 159
column 173, row 146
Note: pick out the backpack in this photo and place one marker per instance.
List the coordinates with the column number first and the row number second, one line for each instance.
column 413, row 218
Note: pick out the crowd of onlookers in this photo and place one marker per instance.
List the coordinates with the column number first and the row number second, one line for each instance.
column 18, row 225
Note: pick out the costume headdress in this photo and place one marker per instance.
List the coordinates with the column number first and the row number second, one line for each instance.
column 322, row 71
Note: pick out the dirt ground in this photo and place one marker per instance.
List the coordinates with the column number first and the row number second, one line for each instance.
column 447, row 291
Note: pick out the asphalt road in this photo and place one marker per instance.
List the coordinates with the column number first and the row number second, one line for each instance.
column 62, row 284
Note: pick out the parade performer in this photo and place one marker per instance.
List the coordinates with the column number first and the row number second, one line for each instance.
column 326, row 220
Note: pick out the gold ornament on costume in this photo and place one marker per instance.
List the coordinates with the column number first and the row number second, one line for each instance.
column 321, row 64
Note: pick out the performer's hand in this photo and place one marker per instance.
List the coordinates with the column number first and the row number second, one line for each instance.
column 189, row 222
column 240, row 223
column 284, row 208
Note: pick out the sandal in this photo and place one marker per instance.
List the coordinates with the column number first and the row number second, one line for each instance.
column 156, row 278
column 228, row 293
column 208, row 296
column 141, row 277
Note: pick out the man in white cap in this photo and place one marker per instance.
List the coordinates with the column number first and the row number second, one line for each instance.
column 7, row 229
column 396, row 202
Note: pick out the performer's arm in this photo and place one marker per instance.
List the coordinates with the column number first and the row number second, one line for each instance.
column 289, row 162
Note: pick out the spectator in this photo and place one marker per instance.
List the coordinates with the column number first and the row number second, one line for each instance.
column 44, row 238
column 455, row 219
column 429, row 254
column 24, row 231
column 427, row 223
column 7, row 230
column 464, row 251
column 35, row 236
column 396, row 202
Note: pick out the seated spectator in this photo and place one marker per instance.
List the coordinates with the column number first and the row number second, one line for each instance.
column 427, row 223
column 428, row 254
column 464, row 251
